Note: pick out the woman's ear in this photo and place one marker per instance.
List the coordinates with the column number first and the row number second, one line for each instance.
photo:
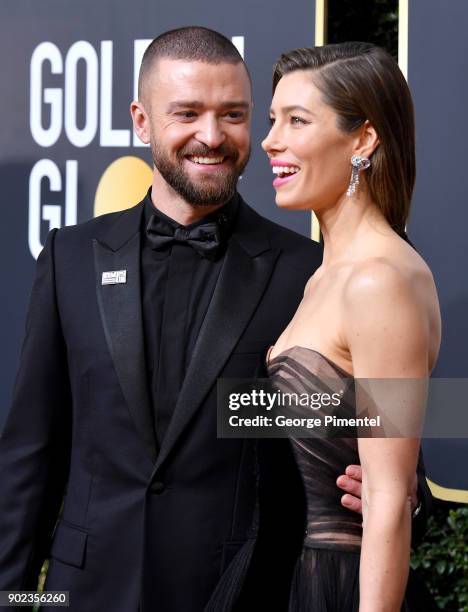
column 368, row 140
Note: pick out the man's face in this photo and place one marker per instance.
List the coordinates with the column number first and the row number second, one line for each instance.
column 197, row 120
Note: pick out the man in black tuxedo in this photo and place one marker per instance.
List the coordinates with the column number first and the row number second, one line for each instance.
column 133, row 317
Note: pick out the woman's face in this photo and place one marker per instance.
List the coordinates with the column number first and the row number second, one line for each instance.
column 304, row 139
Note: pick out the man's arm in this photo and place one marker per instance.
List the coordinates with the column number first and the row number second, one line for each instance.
column 34, row 446
column 421, row 498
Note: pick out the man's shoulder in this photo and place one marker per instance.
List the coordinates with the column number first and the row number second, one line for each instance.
column 284, row 236
column 295, row 246
column 98, row 227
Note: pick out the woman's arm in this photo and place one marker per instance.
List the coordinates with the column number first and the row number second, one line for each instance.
column 387, row 332
column 421, row 497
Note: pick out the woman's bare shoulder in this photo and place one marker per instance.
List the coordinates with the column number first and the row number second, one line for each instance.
column 394, row 269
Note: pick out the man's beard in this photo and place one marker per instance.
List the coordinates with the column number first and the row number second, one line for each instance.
column 215, row 189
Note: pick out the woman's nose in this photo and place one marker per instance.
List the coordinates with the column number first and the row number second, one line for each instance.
column 271, row 141
column 266, row 143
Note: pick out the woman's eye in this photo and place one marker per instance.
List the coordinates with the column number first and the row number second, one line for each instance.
column 297, row 121
column 271, row 120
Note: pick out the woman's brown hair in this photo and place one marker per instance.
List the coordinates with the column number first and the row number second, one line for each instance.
column 360, row 82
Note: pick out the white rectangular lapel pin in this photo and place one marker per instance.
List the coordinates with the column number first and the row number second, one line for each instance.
column 114, row 277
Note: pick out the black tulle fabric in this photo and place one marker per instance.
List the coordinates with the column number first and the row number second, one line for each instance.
column 326, row 576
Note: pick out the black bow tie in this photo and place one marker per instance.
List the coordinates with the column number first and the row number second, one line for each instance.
column 205, row 238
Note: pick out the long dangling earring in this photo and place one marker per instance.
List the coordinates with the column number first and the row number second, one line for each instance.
column 358, row 163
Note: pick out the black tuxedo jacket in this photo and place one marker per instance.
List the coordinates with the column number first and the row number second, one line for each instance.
column 80, row 425
column 141, row 527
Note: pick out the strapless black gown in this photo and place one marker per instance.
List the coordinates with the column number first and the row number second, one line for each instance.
column 326, row 576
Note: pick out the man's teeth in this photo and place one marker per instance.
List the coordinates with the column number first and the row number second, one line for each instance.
column 206, row 160
column 284, row 169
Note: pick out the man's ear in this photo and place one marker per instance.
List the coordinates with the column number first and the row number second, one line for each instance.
column 140, row 121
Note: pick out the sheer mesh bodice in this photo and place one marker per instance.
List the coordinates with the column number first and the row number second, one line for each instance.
column 326, row 575
column 320, row 460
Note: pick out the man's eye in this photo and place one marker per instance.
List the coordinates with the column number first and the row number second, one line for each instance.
column 235, row 115
column 187, row 114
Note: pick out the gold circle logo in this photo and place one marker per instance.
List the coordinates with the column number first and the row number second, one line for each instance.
column 123, row 184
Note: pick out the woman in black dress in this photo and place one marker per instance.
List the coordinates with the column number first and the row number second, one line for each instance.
column 342, row 145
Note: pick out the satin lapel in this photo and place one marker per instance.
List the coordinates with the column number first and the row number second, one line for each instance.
column 121, row 314
column 240, row 287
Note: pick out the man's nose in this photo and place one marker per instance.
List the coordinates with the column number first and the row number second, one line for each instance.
column 211, row 133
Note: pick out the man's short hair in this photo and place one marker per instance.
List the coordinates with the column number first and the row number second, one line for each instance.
column 192, row 43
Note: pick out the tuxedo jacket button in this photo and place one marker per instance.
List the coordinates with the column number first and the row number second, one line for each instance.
column 158, row 487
